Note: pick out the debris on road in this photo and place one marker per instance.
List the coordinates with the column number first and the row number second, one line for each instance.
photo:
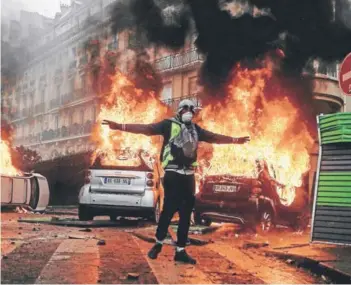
column 133, row 276
column 248, row 245
column 77, row 237
column 12, row 242
column 292, row 246
column 35, row 229
column 289, row 261
column 87, row 230
column 4, row 257
column 101, row 242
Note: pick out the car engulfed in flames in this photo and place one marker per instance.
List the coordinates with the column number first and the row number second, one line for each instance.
column 254, row 103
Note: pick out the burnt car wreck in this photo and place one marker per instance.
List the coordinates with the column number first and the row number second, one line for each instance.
column 250, row 202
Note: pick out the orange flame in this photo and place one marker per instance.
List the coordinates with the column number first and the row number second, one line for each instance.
column 278, row 135
column 6, row 167
column 127, row 104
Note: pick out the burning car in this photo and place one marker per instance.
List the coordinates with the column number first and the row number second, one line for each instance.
column 30, row 190
column 126, row 185
column 250, row 201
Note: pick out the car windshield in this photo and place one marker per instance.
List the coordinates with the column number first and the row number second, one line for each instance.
column 124, row 160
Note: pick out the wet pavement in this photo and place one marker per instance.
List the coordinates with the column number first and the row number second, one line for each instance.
column 45, row 253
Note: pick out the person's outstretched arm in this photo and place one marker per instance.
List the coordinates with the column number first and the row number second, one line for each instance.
column 145, row 129
column 209, row 137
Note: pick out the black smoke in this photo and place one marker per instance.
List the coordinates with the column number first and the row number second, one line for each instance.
column 303, row 29
column 147, row 19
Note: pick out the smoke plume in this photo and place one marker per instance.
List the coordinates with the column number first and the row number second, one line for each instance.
column 302, row 29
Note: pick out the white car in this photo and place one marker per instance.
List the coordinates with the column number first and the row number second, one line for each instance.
column 122, row 191
column 30, row 190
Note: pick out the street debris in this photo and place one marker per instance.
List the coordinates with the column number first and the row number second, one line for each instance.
column 248, row 245
column 292, row 246
column 77, row 237
column 4, row 257
column 289, row 261
column 101, row 242
column 87, row 230
column 133, row 276
column 35, row 229
column 12, row 242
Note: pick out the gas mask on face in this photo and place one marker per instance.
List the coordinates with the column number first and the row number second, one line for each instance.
column 187, row 117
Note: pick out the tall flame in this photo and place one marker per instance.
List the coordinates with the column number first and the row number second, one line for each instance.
column 127, row 104
column 6, row 166
column 279, row 136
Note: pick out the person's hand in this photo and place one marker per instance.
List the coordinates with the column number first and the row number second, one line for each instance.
column 242, row 140
column 111, row 124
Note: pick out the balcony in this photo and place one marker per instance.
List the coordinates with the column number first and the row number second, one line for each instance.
column 67, row 132
column 54, row 103
column 179, row 61
column 39, row 108
column 174, row 102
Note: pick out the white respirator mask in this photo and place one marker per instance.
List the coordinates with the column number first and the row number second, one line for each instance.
column 187, row 117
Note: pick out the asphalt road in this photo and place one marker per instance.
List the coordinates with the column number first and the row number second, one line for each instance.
column 41, row 253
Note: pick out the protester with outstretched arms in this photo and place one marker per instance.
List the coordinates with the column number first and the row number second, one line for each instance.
column 179, row 160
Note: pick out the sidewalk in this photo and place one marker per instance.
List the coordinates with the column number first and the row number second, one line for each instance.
column 324, row 259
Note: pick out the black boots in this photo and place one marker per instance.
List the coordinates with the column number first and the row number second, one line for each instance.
column 155, row 250
column 182, row 256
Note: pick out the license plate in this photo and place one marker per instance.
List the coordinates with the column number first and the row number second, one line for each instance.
column 117, row 181
column 225, row 188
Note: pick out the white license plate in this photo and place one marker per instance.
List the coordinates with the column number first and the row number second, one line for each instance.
column 225, row 188
column 117, row 181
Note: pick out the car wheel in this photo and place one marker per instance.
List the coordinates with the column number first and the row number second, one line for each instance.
column 266, row 221
column 84, row 214
column 201, row 221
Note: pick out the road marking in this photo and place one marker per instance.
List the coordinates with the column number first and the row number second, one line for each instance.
column 74, row 261
column 169, row 272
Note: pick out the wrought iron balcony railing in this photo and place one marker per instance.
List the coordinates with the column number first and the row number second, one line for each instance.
column 178, row 61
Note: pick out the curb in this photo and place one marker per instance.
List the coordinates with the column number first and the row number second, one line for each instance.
column 319, row 268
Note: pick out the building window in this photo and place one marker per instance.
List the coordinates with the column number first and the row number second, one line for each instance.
column 70, row 122
column 193, row 87
column 43, row 96
column 166, row 94
column 56, row 122
column 82, row 116
column 58, row 91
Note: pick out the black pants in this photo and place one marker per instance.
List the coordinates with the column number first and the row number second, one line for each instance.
column 179, row 196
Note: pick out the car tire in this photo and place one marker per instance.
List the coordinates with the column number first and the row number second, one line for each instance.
column 265, row 221
column 157, row 212
column 84, row 214
column 201, row 221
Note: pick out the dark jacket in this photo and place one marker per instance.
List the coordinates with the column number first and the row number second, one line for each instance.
column 163, row 128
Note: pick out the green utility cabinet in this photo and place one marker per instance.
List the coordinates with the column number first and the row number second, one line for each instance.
column 331, row 216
